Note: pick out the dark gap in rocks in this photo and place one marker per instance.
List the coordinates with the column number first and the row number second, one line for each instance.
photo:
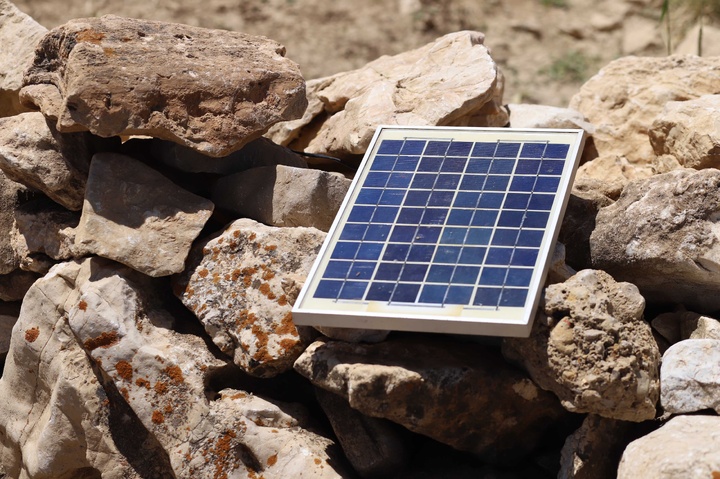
column 83, row 473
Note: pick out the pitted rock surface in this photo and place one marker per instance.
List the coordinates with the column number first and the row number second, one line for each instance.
column 592, row 348
column 242, row 284
column 210, row 90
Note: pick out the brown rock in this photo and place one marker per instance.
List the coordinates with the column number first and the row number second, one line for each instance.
column 210, row 90
column 10, row 193
column 43, row 226
column 15, row 284
column 594, row 450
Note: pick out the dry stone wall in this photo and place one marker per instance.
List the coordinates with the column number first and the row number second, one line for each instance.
column 152, row 244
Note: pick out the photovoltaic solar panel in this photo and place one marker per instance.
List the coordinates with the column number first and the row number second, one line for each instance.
column 444, row 229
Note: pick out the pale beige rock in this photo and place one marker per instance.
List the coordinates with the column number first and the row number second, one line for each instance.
column 689, row 131
column 661, row 235
column 283, row 196
column 242, row 284
column 523, row 115
column 690, row 376
column 18, row 36
column 210, row 90
column 640, row 34
column 592, row 348
column 29, row 154
column 594, row 450
column 406, row 89
column 626, row 96
column 134, row 215
column 437, row 388
column 710, row 41
column 42, row 226
column 686, row 446
column 700, row 327
column 609, row 174
column 558, row 271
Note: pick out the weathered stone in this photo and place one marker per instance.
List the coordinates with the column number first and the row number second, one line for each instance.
column 609, row 174
column 689, row 131
column 406, row 89
column 18, row 35
column 258, row 152
column 594, row 450
column 242, row 284
column 592, row 348
column 661, row 235
column 10, row 193
column 558, row 271
column 283, row 196
column 14, row 285
column 687, row 447
column 210, row 90
column 437, row 388
column 8, row 317
column 709, row 37
column 690, row 376
column 626, row 96
column 30, row 155
column 134, row 215
column 696, row 326
column 524, row 115
column 42, row 226
column 579, row 223
column 373, row 446
column 353, row 335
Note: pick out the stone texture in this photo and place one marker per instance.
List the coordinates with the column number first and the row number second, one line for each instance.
column 437, row 388
column 10, row 195
column 29, row 154
column 523, row 115
column 373, row 446
column 594, row 450
column 8, row 318
column 42, row 226
column 18, row 35
column 134, row 215
column 626, row 96
column 406, row 89
column 14, row 285
column 210, row 90
column 680, row 325
column 591, row 347
column 579, row 223
column 689, row 131
column 687, row 447
column 609, row 174
column 257, row 153
column 242, row 284
column 353, row 335
column 690, row 376
column 710, row 41
column 662, row 235
column 283, row 196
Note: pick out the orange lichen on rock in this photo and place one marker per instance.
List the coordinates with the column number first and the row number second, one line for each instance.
column 143, row 383
column 270, row 247
column 175, row 374
column 287, row 326
column 89, row 35
column 203, row 272
column 157, row 417
column 105, row 340
column 32, row 334
column 82, row 305
column 223, row 454
column 272, row 460
column 268, row 274
column 124, row 370
column 160, row 387
column 282, row 300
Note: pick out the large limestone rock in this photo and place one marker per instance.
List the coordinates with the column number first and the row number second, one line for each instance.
column 18, row 36
column 242, row 284
column 687, row 447
column 459, row 394
column 626, row 96
column 44, row 227
column 406, row 89
column 135, row 215
column 210, row 90
column 29, row 154
column 609, row 174
column 689, row 131
column 662, row 235
column 525, row 115
column 591, row 347
column 690, row 376
column 594, row 450
column 283, row 196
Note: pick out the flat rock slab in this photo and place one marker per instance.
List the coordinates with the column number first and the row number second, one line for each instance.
column 210, row 90
column 690, row 376
column 134, row 215
column 662, row 235
column 441, row 83
column 242, row 284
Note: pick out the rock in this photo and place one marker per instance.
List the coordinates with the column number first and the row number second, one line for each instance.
column 134, row 215
column 690, row 376
column 667, row 325
column 242, row 284
column 10, row 195
column 609, row 174
column 689, row 131
column 437, row 388
column 210, row 90
column 710, row 39
column 524, row 115
column 558, row 271
column 42, row 226
column 578, row 224
column 661, row 236
column 18, row 35
column 14, row 285
column 283, row 196
column 30, row 155
column 687, row 447
column 696, row 326
column 373, row 446
column 259, row 152
column 626, row 96
column 8, row 318
column 591, row 347
column 406, row 89
column 594, row 450
column 353, row 335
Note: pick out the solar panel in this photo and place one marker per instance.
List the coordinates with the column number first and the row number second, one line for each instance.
column 444, row 229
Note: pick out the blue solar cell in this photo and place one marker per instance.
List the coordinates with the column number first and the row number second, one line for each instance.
column 417, row 197
column 424, row 180
column 388, row 271
column 377, row 179
column 345, row 250
column 433, row 294
column 473, row 183
column 541, row 202
column 362, row 270
column 434, row 216
column 547, row 184
column 392, row 197
column 403, row 234
column 430, row 164
column 337, row 269
column 406, row 163
column 460, row 148
column 472, row 255
column 427, row 234
column 523, row 183
column 460, row 217
column 518, row 277
column 502, row 166
column 437, row 148
column 328, row 289
column 376, row 233
column 421, row 252
column 453, row 165
column 369, row 251
column 458, row 295
column 556, row 150
column 478, row 236
column 353, row 231
column 505, row 237
column 531, row 238
column 552, row 167
column 535, row 219
column 507, row 150
column 487, row 297
column 383, row 163
column 484, row 218
column 493, row 276
column 499, row 256
column 380, row 291
column 447, row 254
column 441, row 198
column 447, row 181
column 490, row 200
column 398, row 180
column 511, row 218
column 533, row 150
column 440, row 273
column 385, row 214
column 465, row 274
column 467, row 199
column 524, row 257
column 527, row 167
column 369, row 196
column 353, row 290
column 478, row 165
column 410, row 215
column 390, row 147
column 413, row 147
column 517, row 201
column 396, row 252
column 405, row 293
column 496, row 183
column 414, row 272
column 484, row 149
column 454, row 235
column 513, row 297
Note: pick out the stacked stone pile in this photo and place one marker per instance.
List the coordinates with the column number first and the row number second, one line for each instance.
column 155, row 232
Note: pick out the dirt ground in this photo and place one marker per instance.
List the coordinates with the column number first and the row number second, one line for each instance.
column 546, row 48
